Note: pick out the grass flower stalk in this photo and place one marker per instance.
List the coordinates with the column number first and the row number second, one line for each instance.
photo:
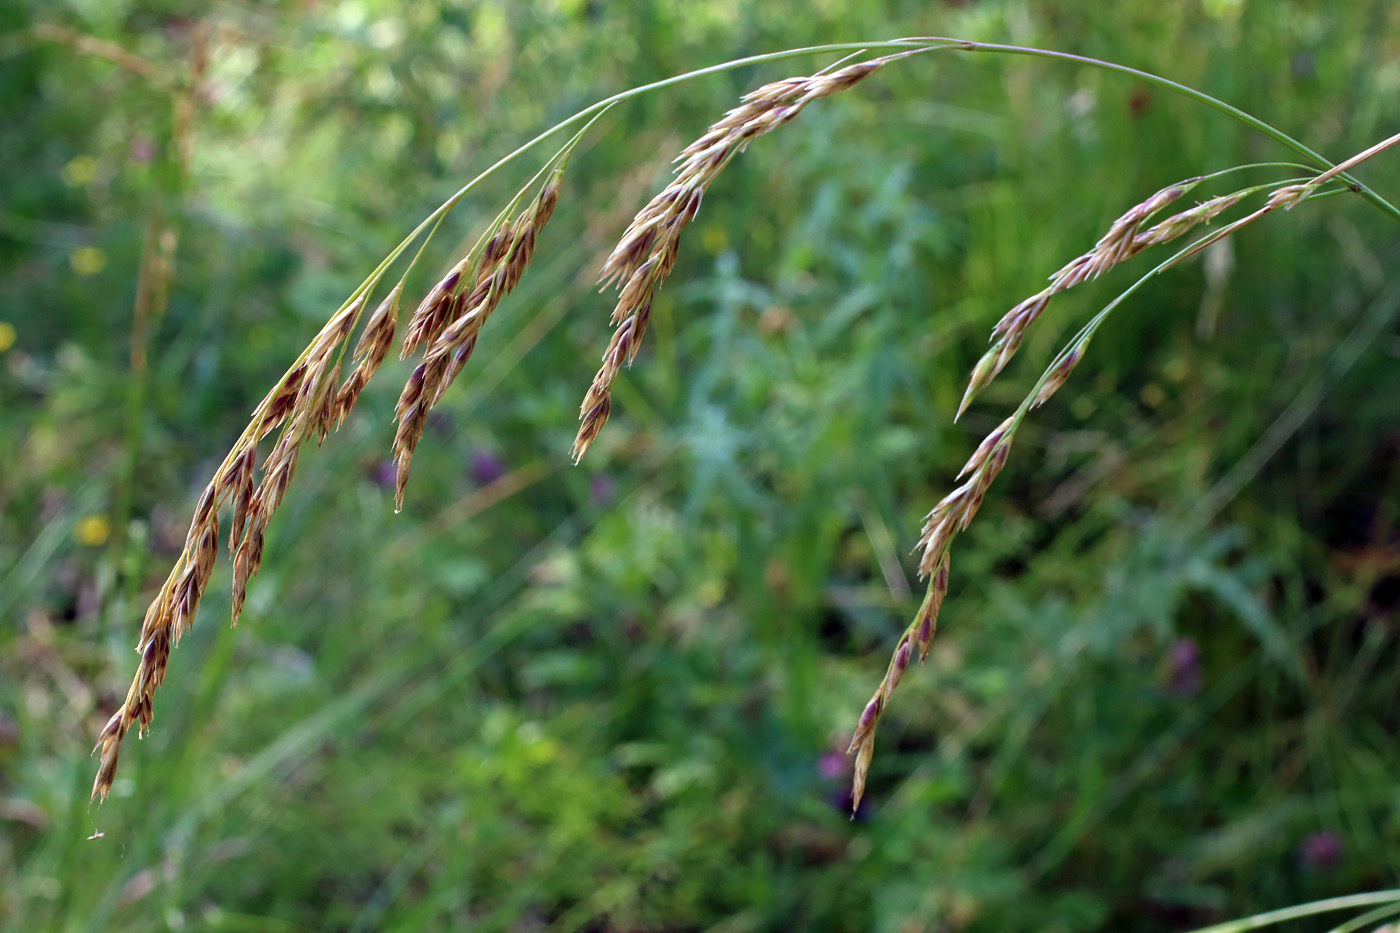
column 311, row 399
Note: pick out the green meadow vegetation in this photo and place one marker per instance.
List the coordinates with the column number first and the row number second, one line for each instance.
column 618, row 696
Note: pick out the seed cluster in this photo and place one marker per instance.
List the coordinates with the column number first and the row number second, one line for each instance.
column 449, row 320
column 310, row 401
column 1124, row 239
column 1119, row 243
column 306, row 402
column 946, row 519
column 647, row 252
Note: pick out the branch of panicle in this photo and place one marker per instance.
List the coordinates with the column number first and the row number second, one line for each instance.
column 955, row 512
column 449, row 319
column 647, row 252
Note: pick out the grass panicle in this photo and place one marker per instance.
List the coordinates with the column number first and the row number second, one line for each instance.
column 310, row 399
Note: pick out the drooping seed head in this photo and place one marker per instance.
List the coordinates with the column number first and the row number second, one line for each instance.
column 1122, row 240
column 369, row 352
column 648, row 249
column 237, row 485
column 278, row 403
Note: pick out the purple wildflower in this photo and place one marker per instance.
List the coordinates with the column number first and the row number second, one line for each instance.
column 485, row 467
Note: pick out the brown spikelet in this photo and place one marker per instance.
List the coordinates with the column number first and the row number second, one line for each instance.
column 519, row 259
column 411, row 412
column 206, row 549
column 956, row 510
column 1063, row 367
column 593, row 414
column 324, row 419
column 108, row 742
column 1289, row 195
column 548, row 199
column 241, row 573
column 984, row 450
column 246, row 563
column 863, row 744
column 277, row 473
column 647, row 251
column 236, row 484
column 278, row 403
column 926, row 622
column 370, row 351
column 433, row 310
column 868, row 719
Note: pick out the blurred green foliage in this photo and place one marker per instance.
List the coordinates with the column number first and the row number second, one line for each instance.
column 614, row 698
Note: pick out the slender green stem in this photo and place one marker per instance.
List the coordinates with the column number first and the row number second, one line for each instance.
column 936, row 43
column 1200, row 97
column 910, row 46
column 1304, row 910
column 1368, row 920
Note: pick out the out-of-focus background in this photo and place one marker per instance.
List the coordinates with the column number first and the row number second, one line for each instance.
column 616, row 696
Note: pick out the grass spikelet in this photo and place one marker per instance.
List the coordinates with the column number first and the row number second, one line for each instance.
column 370, row 351
column 434, row 310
